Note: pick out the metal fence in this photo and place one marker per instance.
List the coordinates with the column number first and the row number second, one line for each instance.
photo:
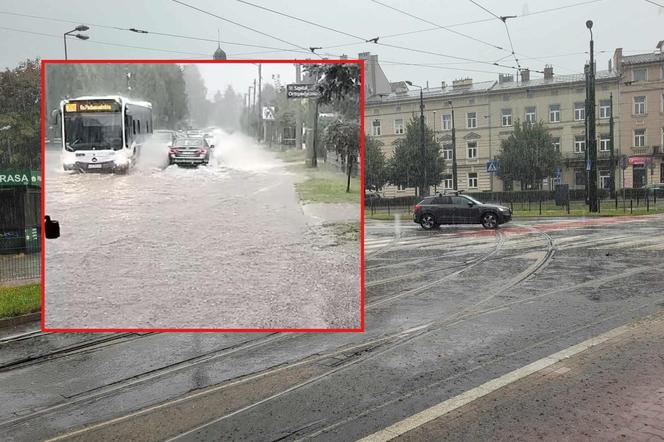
column 540, row 202
column 20, row 255
column 20, row 233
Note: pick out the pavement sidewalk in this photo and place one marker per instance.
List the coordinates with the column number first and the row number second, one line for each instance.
column 613, row 391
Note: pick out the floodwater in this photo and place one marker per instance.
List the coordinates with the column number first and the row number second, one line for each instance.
column 220, row 246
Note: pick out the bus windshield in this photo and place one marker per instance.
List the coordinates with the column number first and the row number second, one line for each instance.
column 93, row 130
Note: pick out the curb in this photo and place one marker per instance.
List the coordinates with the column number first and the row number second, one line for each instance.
column 18, row 320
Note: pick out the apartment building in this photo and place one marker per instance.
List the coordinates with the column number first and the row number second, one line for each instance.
column 386, row 118
column 642, row 110
column 559, row 102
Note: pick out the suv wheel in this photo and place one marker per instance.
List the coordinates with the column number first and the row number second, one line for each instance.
column 428, row 222
column 490, row 220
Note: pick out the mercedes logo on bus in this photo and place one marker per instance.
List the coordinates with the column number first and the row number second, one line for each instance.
column 94, row 159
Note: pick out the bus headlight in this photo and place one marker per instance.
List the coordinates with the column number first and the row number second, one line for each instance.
column 120, row 159
column 68, row 158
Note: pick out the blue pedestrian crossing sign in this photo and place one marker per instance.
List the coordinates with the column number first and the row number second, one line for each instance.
column 492, row 166
column 557, row 172
column 588, row 164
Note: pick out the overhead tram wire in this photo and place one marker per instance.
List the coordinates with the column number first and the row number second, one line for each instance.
column 142, row 31
column 446, row 28
column 240, row 25
column 504, row 20
column 104, row 42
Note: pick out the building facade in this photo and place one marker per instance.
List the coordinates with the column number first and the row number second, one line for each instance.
column 642, row 111
column 485, row 114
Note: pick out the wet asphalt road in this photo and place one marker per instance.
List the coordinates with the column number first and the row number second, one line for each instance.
column 222, row 246
column 446, row 311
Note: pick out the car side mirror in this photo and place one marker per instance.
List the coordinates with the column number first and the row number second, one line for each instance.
column 51, row 228
column 55, row 116
column 211, row 146
column 470, row 204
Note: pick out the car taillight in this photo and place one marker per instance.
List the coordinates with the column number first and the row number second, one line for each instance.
column 201, row 151
column 173, row 151
column 417, row 207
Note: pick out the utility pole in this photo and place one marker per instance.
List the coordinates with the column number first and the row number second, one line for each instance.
column 254, row 102
column 612, row 157
column 298, row 113
column 454, row 156
column 591, row 139
column 425, row 183
column 260, row 106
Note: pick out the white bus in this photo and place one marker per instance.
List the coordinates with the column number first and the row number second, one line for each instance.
column 103, row 133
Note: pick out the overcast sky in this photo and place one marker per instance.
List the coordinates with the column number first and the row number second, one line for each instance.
column 555, row 37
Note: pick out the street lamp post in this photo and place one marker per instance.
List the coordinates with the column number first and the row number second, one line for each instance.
column 79, row 28
column 424, row 183
column 591, row 141
column 454, row 156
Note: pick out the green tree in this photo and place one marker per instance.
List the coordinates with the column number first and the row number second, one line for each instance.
column 339, row 84
column 375, row 173
column 405, row 166
column 528, row 155
column 343, row 137
column 20, row 108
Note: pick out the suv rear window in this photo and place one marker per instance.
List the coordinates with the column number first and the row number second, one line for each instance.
column 427, row 200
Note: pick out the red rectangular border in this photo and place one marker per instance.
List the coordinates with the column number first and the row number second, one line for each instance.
column 361, row 329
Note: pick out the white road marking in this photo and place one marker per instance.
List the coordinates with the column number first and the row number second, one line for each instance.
column 436, row 411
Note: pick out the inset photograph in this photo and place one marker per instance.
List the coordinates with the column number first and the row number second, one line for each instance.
column 203, row 195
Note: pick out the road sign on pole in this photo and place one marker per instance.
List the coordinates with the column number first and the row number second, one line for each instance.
column 492, row 166
column 624, row 161
column 588, row 165
column 301, row 90
column 557, row 173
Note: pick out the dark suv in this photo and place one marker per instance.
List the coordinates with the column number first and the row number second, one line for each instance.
column 433, row 211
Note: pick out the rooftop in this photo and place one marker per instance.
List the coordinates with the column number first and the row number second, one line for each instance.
column 556, row 80
column 653, row 57
column 448, row 91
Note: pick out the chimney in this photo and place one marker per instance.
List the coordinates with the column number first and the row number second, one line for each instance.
column 505, row 78
column 461, row 83
column 617, row 60
column 443, row 85
column 548, row 72
column 660, row 46
column 610, row 66
column 525, row 74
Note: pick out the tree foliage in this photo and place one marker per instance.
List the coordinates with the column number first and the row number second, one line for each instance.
column 405, row 166
column 375, row 172
column 343, row 137
column 528, row 155
column 20, row 109
column 338, row 84
column 161, row 84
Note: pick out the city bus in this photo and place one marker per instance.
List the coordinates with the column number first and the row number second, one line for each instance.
column 103, row 133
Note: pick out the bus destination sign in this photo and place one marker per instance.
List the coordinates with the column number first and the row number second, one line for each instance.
column 92, row 106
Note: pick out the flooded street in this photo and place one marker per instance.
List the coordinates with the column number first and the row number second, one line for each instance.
column 221, row 246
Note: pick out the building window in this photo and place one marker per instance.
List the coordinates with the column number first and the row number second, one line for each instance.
column 398, row 108
column 604, row 143
column 556, row 143
column 604, row 179
column 471, row 118
column 579, row 111
column 554, row 113
column 640, row 74
column 579, row 177
column 605, row 109
column 662, row 108
column 472, row 149
column 398, row 126
column 639, row 137
column 530, row 115
column 447, row 181
column 640, row 105
column 472, row 180
column 579, row 144
column 507, row 117
column 447, row 122
column 447, row 152
column 375, row 129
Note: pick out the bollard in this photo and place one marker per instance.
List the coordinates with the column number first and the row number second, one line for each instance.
column 568, row 207
column 540, row 205
column 631, row 206
column 388, row 207
column 647, row 204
